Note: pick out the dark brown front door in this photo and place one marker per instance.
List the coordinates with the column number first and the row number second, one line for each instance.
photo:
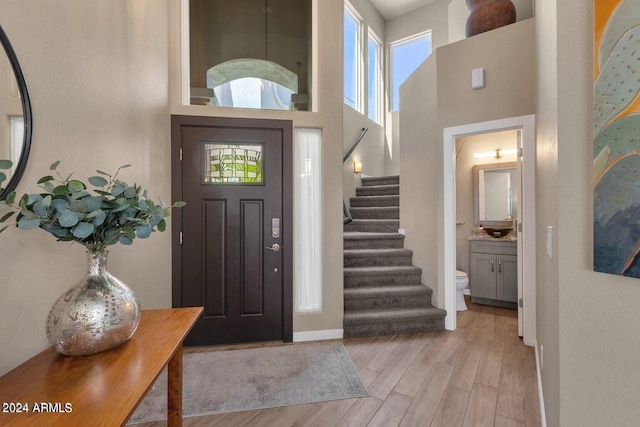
column 232, row 249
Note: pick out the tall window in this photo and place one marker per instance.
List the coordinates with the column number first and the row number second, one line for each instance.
column 352, row 58
column 406, row 56
column 373, row 78
column 308, row 223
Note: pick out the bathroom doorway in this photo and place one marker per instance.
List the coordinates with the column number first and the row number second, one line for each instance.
column 461, row 143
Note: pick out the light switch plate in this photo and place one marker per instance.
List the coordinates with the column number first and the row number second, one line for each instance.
column 477, row 78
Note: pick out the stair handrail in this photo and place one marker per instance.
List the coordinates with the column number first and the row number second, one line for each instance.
column 355, row 144
column 346, row 214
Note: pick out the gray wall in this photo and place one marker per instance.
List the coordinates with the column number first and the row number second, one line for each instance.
column 439, row 95
column 587, row 321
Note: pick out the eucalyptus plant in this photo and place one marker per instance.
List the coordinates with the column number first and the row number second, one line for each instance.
column 4, row 164
column 109, row 213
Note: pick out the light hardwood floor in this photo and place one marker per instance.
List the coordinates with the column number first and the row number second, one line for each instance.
column 480, row 375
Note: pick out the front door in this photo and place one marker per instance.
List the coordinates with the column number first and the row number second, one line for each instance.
column 233, row 239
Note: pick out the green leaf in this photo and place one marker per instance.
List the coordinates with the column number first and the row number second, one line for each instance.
column 48, row 186
column 3, row 176
column 118, row 189
column 60, row 204
column 179, row 204
column 46, row 202
column 121, row 208
column 68, row 218
column 45, row 179
column 33, row 198
column 6, row 164
column 103, row 173
column 7, row 216
column 129, row 233
column 76, row 185
column 92, row 203
column 98, row 181
column 125, row 240
column 60, row 190
column 28, row 224
column 124, row 166
column 54, row 165
column 83, row 230
column 162, row 225
column 143, row 231
column 11, row 198
column 130, row 192
column 99, row 219
column 40, row 210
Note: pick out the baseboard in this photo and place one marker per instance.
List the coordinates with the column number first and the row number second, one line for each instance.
column 543, row 415
column 329, row 334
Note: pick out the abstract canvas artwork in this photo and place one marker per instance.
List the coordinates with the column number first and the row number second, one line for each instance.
column 616, row 137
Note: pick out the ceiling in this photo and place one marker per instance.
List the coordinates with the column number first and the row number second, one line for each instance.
column 391, row 8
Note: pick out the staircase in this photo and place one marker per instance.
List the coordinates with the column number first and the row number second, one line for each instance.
column 383, row 292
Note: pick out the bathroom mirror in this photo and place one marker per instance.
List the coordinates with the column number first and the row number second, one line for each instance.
column 494, row 194
column 15, row 117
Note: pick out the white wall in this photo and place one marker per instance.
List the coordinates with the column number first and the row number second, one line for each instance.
column 98, row 79
column 371, row 150
column 439, row 95
column 102, row 78
column 587, row 320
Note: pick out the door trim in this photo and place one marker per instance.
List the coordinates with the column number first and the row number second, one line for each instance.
column 528, row 253
column 178, row 123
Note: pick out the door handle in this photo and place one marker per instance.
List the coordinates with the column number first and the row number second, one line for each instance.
column 492, row 268
column 499, row 265
column 274, row 248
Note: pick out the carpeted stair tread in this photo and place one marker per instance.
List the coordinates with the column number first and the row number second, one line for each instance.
column 382, row 270
column 372, row 201
column 365, row 253
column 364, row 240
column 378, row 190
column 376, row 212
column 386, row 315
column 383, row 293
column 359, row 235
column 380, row 180
column 373, row 225
column 377, row 257
column 400, row 290
column 387, row 297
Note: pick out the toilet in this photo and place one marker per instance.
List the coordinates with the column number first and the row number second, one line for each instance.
column 462, row 282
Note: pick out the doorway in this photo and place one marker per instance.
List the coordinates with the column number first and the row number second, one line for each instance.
column 232, row 240
column 525, row 125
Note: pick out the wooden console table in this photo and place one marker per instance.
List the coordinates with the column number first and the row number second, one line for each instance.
column 103, row 389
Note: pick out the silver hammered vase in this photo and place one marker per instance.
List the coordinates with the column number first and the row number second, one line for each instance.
column 98, row 313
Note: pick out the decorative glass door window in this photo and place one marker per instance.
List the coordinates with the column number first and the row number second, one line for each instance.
column 232, row 163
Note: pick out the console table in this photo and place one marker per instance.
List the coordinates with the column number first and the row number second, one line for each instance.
column 101, row 389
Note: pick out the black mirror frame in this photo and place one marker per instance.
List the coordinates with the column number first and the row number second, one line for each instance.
column 26, row 108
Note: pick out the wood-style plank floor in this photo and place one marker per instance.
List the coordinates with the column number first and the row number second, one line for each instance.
column 480, row 375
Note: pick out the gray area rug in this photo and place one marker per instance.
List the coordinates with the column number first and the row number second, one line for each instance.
column 241, row 380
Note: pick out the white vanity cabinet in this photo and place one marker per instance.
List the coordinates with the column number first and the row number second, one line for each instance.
column 494, row 272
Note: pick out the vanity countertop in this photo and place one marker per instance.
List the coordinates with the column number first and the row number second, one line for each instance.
column 509, row 238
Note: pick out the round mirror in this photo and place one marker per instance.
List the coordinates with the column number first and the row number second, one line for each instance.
column 15, row 119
